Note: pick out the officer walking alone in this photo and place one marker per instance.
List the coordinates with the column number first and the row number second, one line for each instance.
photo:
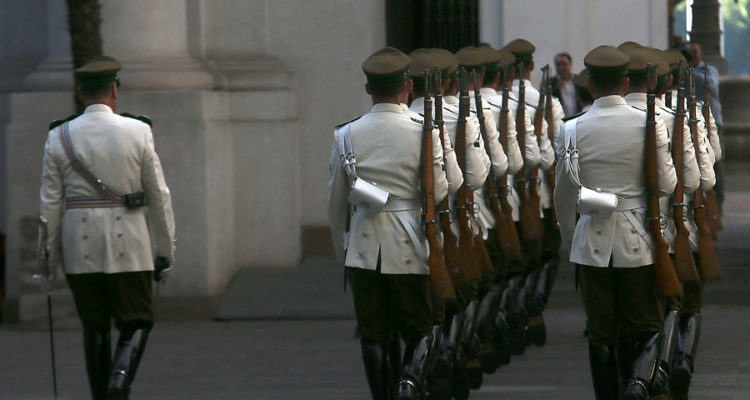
column 100, row 176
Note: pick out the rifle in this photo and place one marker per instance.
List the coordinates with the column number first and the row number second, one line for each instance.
column 441, row 281
column 550, row 172
column 684, row 263
column 480, row 250
column 707, row 261
column 465, row 234
column 43, row 276
column 453, row 260
column 666, row 278
column 501, row 221
column 511, row 244
column 712, row 204
column 531, row 224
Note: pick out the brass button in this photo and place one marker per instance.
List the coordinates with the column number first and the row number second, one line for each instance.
column 118, row 217
column 599, row 233
column 633, row 230
column 119, row 235
column 83, row 219
column 635, row 249
column 86, row 257
column 85, row 237
column 596, row 251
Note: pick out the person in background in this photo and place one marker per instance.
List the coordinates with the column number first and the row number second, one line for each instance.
column 563, row 85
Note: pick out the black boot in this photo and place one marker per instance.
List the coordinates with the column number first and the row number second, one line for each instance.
column 660, row 384
column 444, row 360
column 536, row 332
column 460, row 382
column 97, row 347
column 128, row 355
column 515, row 315
column 502, row 339
column 644, row 366
column 394, row 365
column 376, row 369
column 471, row 345
column 687, row 346
column 412, row 384
column 486, row 330
column 604, row 371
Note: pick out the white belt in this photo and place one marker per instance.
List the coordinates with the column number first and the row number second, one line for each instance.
column 401, row 208
column 634, row 203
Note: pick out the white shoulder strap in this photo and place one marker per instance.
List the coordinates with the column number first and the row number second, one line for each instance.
column 348, row 159
column 571, row 151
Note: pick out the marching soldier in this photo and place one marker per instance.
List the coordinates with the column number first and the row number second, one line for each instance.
column 477, row 168
column 612, row 253
column 689, row 305
column 379, row 243
column 493, row 330
column 100, row 176
column 542, row 255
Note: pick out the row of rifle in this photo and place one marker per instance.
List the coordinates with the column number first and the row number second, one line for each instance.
column 705, row 209
column 490, row 326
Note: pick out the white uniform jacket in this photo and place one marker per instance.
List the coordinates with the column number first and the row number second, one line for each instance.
column 120, row 152
column 387, row 144
column 610, row 138
column 547, row 153
column 477, row 161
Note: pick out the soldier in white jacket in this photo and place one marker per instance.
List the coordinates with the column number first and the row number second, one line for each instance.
column 613, row 254
column 383, row 252
column 100, row 176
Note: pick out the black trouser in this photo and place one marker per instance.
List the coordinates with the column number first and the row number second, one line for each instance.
column 386, row 304
column 124, row 297
column 618, row 299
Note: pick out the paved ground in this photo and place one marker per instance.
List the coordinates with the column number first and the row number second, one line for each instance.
column 320, row 360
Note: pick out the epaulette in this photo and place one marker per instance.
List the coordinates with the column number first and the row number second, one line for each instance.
column 141, row 118
column 574, row 116
column 347, row 122
column 54, row 124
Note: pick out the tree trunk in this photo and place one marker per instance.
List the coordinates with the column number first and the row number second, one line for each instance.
column 84, row 21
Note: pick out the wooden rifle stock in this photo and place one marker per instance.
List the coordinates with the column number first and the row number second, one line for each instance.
column 465, row 234
column 439, row 277
column 666, row 278
column 483, row 257
column 684, row 263
column 502, row 222
column 453, row 260
column 707, row 262
column 531, row 224
column 549, row 174
column 712, row 204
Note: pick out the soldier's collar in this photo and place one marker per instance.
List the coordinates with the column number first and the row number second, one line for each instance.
column 98, row 107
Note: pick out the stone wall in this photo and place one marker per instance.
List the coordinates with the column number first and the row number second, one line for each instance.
column 243, row 96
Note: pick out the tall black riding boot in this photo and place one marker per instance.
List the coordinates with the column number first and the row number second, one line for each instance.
column 444, row 360
column 536, row 332
column 471, row 345
column 604, row 371
column 97, row 347
column 660, row 385
column 684, row 359
column 393, row 364
column 416, row 357
column 128, row 355
column 486, row 330
column 515, row 315
column 460, row 387
column 644, row 366
column 376, row 369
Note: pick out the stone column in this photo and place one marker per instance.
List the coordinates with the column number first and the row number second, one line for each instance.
column 151, row 40
column 54, row 73
column 708, row 34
